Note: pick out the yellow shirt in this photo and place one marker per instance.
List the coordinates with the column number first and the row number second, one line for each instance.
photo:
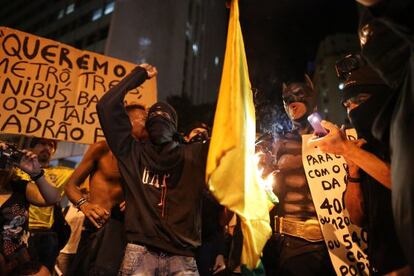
column 42, row 217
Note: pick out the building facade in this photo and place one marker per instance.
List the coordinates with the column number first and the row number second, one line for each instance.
column 83, row 24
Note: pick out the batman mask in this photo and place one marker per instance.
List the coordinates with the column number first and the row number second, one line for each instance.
column 299, row 92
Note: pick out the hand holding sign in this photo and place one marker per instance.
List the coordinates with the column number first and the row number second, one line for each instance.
column 334, row 142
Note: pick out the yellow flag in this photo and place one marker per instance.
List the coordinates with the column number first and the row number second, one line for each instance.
column 231, row 168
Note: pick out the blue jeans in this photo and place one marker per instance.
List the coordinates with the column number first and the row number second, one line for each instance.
column 138, row 260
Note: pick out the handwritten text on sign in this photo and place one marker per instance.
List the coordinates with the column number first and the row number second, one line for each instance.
column 326, row 177
column 49, row 89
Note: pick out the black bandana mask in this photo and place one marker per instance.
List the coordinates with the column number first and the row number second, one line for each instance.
column 161, row 123
column 363, row 116
column 163, row 155
column 201, row 137
column 365, row 80
column 160, row 130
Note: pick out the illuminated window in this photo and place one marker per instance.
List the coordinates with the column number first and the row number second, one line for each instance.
column 216, row 61
column 195, row 49
column 109, row 7
column 61, row 14
column 70, row 8
column 144, row 41
column 97, row 14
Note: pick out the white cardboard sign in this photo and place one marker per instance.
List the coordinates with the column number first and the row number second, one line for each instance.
column 346, row 242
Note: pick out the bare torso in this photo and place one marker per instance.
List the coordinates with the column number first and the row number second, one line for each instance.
column 104, row 184
column 292, row 186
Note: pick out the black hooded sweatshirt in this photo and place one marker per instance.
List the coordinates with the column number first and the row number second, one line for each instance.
column 164, row 217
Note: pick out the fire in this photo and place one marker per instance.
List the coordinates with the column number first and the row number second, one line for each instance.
column 265, row 182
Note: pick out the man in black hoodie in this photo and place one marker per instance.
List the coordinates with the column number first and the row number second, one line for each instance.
column 162, row 182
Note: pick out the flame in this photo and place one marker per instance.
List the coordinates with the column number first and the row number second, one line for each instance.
column 265, row 182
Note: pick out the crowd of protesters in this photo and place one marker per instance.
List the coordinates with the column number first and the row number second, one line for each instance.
column 139, row 204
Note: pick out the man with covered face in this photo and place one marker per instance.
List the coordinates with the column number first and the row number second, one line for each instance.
column 386, row 33
column 162, row 182
column 368, row 192
column 297, row 243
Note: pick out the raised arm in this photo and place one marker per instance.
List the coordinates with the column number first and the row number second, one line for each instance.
column 39, row 191
column 111, row 112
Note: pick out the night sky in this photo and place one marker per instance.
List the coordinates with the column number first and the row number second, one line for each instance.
column 282, row 36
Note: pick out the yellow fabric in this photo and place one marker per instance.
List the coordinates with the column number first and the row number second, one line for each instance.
column 231, row 169
column 42, row 217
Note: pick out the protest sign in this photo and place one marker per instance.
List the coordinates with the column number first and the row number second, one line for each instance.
column 346, row 242
column 49, row 89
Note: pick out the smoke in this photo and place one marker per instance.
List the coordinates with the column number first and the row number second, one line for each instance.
column 270, row 115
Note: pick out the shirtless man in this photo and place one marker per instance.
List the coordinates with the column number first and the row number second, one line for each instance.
column 105, row 191
column 104, row 187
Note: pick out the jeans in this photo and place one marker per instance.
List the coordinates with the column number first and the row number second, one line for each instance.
column 138, row 260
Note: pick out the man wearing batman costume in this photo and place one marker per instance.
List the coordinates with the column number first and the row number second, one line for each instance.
column 368, row 193
column 297, row 244
column 162, row 182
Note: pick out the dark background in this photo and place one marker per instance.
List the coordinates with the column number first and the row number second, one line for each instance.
column 186, row 40
column 282, row 37
column 281, row 42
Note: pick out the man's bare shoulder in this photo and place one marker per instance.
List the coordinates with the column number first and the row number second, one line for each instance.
column 98, row 149
column 103, row 155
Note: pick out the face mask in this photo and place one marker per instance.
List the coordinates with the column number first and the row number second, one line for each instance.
column 363, row 116
column 199, row 138
column 362, row 122
column 300, row 92
column 160, row 130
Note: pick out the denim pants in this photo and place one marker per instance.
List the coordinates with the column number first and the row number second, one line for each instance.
column 138, row 260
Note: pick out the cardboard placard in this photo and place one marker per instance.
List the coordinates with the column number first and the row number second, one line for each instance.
column 49, row 89
column 346, row 242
